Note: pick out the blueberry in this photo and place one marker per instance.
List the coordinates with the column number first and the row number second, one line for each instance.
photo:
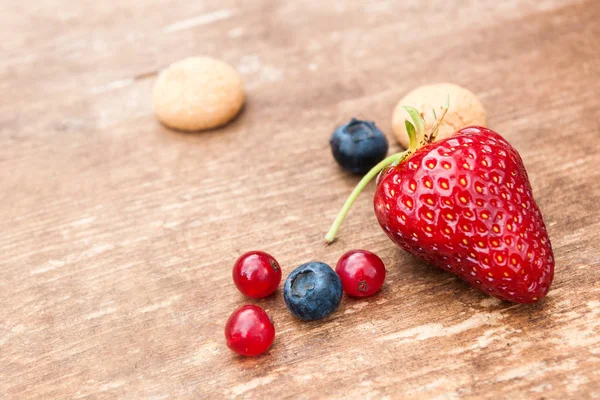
column 358, row 146
column 312, row 291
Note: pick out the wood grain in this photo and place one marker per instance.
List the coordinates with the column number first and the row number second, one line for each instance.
column 117, row 236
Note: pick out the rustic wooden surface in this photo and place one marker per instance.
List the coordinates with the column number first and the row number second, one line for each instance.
column 117, row 236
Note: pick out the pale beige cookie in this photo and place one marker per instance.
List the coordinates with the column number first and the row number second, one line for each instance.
column 465, row 109
column 197, row 93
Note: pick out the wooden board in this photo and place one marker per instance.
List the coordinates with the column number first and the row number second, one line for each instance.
column 117, row 236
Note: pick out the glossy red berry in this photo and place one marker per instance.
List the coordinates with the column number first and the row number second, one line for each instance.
column 362, row 272
column 249, row 331
column 465, row 204
column 256, row 274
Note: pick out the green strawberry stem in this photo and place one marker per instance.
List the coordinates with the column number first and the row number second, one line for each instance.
column 330, row 237
column 416, row 137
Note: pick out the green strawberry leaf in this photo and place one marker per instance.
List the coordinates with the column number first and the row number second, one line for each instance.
column 418, row 121
column 412, row 137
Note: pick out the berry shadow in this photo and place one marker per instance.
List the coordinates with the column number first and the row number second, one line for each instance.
column 443, row 283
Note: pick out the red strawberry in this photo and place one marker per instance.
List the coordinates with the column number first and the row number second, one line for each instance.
column 465, row 205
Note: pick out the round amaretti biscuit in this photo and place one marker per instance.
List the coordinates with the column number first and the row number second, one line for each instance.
column 197, row 93
column 464, row 110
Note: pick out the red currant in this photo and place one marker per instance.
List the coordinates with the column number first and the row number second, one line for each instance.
column 362, row 272
column 249, row 331
column 256, row 274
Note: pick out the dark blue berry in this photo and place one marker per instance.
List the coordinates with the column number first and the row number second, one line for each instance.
column 358, row 146
column 312, row 291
